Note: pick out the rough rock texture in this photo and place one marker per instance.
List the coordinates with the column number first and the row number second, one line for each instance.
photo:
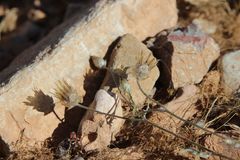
column 229, row 65
column 218, row 145
column 65, row 54
column 185, row 55
column 128, row 53
column 184, row 106
column 97, row 130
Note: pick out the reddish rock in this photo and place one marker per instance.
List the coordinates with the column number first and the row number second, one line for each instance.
column 185, row 55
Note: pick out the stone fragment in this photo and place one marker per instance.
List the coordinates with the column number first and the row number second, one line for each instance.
column 36, row 14
column 185, row 55
column 229, row 65
column 97, row 130
column 64, row 54
column 184, row 106
column 134, row 55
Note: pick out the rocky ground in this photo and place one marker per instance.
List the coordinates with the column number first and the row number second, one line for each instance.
column 162, row 91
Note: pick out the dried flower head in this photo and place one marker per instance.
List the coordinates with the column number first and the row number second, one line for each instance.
column 200, row 154
column 125, row 86
column 201, row 123
column 229, row 141
column 98, row 62
column 232, row 142
column 237, row 145
column 67, row 95
column 143, row 68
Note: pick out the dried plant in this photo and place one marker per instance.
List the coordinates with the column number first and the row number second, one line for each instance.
column 66, row 94
column 141, row 72
column 22, row 150
column 142, row 69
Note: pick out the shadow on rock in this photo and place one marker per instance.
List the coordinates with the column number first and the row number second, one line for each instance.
column 72, row 118
column 4, row 149
column 92, row 82
column 41, row 102
column 162, row 50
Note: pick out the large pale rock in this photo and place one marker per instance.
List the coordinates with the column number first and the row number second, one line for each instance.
column 97, row 130
column 185, row 55
column 229, row 65
column 131, row 53
column 65, row 54
column 184, row 106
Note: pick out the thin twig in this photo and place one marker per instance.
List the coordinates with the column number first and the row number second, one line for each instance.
column 186, row 139
column 57, row 115
column 176, row 116
column 226, row 121
column 210, row 109
column 108, row 114
column 114, row 80
column 167, row 111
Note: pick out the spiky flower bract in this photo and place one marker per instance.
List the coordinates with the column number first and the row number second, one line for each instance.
column 67, row 95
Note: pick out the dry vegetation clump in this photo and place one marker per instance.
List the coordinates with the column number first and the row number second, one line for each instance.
column 218, row 110
column 139, row 140
column 23, row 151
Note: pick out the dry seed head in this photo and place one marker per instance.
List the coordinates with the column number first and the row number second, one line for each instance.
column 67, row 95
column 142, row 71
column 237, row 145
column 99, row 62
column 143, row 68
column 198, row 153
column 229, row 141
column 200, row 123
column 125, row 86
